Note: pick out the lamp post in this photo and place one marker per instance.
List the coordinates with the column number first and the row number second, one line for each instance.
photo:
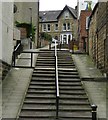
column 31, row 27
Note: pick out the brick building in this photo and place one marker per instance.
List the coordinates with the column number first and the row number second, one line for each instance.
column 82, row 35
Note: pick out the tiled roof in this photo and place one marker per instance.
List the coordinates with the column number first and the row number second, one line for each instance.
column 47, row 16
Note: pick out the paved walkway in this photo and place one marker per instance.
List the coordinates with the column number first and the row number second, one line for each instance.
column 16, row 83
column 94, row 83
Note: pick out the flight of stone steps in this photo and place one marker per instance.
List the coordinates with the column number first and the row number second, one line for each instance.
column 40, row 100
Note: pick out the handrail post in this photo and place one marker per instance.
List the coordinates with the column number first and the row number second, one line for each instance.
column 57, row 106
column 31, row 59
column 94, row 112
column 14, row 57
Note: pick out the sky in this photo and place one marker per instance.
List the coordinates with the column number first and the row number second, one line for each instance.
column 56, row 4
column 60, row 4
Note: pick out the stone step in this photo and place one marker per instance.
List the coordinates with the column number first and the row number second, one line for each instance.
column 70, row 84
column 40, row 97
column 45, row 67
column 68, row 72
column 52, row 101
column 42, row 102
column 45, row 61
column 37, row 114
column 42, row 87
column 42, row 83
column 68, row 76
column 41, row 92
column 46, row 79
column 43, row 72
column 42, row 75
column 69, row 79
column 38, row 107
column 45, row 64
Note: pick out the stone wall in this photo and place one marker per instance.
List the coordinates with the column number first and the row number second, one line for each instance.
column 101, row 27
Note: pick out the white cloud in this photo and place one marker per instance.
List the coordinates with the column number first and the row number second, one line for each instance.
column 56, row 4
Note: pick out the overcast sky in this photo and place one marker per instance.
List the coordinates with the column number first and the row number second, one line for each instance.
column 56, row 4
column 60, row 4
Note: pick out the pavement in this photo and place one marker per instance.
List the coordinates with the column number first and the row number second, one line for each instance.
column 94, row 83
column 16, row 83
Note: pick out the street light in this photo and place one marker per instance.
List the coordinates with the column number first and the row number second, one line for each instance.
column 31, row 27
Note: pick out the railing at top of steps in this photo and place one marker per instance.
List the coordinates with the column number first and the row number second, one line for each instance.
column 56, row 82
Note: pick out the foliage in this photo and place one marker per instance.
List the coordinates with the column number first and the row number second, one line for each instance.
column 46, row 36
column 30, row 29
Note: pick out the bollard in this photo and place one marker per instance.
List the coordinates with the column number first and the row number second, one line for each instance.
column 94, row 112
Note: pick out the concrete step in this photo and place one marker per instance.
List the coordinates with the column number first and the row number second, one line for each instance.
column 70, row 84
column 42, row 79
column 45, row 64
column 61, row 79
column 42, row 102
column 45, row 61
column 68, row 76
column 40, row 87
column 37, row 114
column 68, row 72
column 43, row 75
column 42, row 84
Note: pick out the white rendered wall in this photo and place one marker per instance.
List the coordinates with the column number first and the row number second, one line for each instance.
column 7, row 32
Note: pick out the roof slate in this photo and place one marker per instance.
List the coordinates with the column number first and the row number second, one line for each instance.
column 47, row 16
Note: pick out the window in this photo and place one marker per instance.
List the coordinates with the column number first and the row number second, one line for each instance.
column 56, row 27
column 44, row 27
column 68, row 26
column 87, row 22
column 48, row 27
column 64, row 26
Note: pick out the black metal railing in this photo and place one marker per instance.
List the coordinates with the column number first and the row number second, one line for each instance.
column 18, row 49
column 31, row 52
column 56, row 83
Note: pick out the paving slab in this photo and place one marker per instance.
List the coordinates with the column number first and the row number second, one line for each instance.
column 94, row 83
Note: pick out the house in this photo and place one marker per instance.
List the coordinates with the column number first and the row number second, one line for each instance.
column 60, row 24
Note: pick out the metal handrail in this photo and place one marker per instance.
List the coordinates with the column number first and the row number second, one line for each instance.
column 15, row 51
column 56, row 82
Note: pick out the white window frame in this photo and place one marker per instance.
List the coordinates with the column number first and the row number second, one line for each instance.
column 87, row 22
column 67, row 28
column 48, row 27
column 64, row 27
column 44, row 27
column 56, row 27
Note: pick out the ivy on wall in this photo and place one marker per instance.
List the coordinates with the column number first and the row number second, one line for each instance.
column 31, row 29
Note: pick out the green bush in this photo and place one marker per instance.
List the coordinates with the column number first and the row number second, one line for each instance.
column 46, row 36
